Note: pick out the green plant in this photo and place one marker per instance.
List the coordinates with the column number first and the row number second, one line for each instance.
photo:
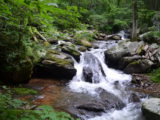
column 24, row 91
column 13, row 109
column 155, row 75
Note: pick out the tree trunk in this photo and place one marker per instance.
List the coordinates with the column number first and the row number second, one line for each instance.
column 134, row 20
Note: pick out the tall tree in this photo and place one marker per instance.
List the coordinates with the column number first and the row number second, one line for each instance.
column 134, row 20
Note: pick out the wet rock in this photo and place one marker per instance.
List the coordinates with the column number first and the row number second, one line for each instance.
column 101, row 36
column 85, row 105
column 87, row 73
column 95, row 107
column 110, row 100
column 57, row 65
column 151, row 109
column 134, row 98
column 93, row 71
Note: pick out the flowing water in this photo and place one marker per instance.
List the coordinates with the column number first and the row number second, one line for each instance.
column 101, row 76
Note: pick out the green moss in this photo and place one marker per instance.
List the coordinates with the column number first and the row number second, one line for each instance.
column 135, row 62
column 71, row 50
column 155, row 75
column 24, row 91
column 59, row 61
column 52, row 51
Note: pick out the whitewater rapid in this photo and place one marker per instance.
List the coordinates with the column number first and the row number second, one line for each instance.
column 93, row 59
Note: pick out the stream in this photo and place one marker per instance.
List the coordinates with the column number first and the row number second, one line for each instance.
column 93, row 74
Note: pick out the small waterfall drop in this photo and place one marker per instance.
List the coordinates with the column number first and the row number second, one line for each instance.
column 93, row 73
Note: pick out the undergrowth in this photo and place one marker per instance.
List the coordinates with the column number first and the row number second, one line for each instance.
column 14, row 109
column 155, row 75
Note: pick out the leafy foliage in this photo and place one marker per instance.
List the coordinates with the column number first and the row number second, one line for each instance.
column 13, row 109
column 155, row 75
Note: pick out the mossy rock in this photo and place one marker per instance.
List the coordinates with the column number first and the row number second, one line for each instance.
column 86, row 43
column 82, row 48
column 139, row 66
column 55, row 65
column 71, row 51
column 61, row 61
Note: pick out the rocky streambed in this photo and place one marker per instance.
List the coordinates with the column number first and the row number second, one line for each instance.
column 90, row 88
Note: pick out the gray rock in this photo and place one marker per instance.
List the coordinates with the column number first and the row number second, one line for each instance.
column 115, row 54
column 87, row 73
column 83, row 104
column 139, row 66
column 126, row 60
column 93, row 70
column 151, row 109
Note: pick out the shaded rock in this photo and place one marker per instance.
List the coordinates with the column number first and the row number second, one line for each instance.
column 95, row 107
column 17, row 76
column 52, row 41
column 93, row 71
column 87, row 73
column 151, row 109
column 110, row 100
column 126, row 60
column 139, row 66
column 134, row 98
column 55, row 64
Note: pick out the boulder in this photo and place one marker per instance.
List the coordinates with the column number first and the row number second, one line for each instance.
column 151, row 109
column 134, row 98
column 139, row 66
column 87, row 106
column 57, row 65
column 93, row 71
column 126, row 60
column 71, row 50
column 115, row 54
column 87, row 73
column 110, row 100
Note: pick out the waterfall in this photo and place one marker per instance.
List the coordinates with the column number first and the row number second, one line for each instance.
column 93, row 73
